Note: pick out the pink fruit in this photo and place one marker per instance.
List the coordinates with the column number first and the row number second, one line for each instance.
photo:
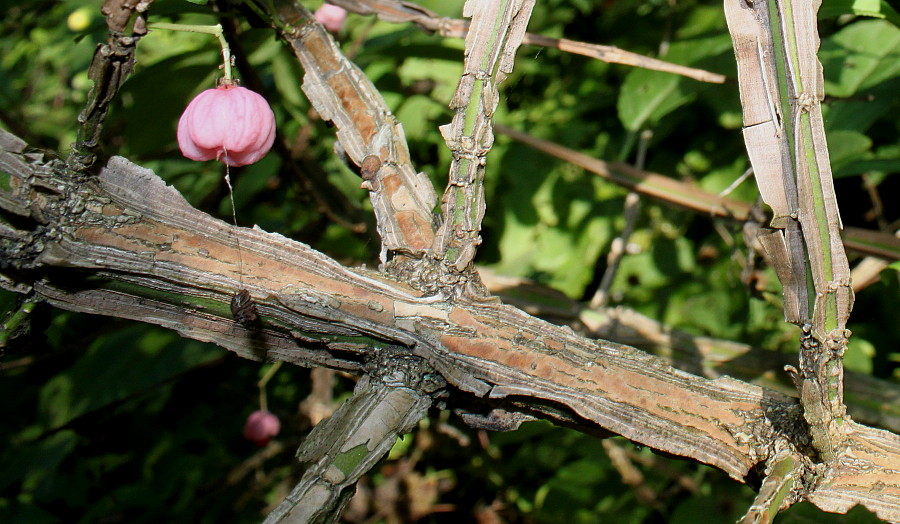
column 228, row 123
column 260, row 427
column 331, row 16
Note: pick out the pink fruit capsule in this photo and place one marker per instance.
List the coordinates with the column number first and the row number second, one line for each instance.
column 260, row 427
column 331, row 16
column 229, row 123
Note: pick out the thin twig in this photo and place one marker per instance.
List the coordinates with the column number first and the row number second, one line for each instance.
column 734, row 185
column 877, row 211
column 631, row 212
column 666, row 189
column 399, row 12
column 631, row 475
column 320, row 403
column 111, row 66
column 867, row 271
column 644, row 182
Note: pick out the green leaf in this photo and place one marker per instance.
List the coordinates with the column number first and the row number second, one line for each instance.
column 807, row 513
column 118, row 366
column 844, row 146
column 884, row 161
column 870, row 8
column 554, row 226
column 33, row 462
column 859, row 355
column 860, row 112
column 647, row 96
column 860, row 56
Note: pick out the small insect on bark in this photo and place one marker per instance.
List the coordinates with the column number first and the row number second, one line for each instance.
column 243, row 308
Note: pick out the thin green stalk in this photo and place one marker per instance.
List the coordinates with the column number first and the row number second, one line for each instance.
column 16, row 320
column 215, row 30
column 263, row 399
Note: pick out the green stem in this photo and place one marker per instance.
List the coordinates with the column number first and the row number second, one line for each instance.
column 263, row 405
column 215, row 30
column 16, row 320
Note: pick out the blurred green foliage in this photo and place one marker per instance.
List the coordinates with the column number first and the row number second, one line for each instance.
column 111, row 421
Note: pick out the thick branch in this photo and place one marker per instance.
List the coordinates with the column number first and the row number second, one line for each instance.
column 357, row 436
column 152, row 247
column 869, row 400
column 368, row 132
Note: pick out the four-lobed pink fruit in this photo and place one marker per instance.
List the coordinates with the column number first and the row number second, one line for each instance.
column 229, row 123
column 260, row 427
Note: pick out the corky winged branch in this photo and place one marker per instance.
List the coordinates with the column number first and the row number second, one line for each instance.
column 153, row 258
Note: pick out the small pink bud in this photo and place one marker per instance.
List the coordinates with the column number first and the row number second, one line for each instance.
column 331, row 16
column 260, row 427
column 228, row 123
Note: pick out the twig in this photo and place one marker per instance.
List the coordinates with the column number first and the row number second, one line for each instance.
column 666, row 189
column 110, row 67
column 320, row 404
column 877, row 211
column 398, row 12
column 495, row 34
column 734, row 185
column 17, row 321
column 617, row 248
column 644, row 182
column 631, row 475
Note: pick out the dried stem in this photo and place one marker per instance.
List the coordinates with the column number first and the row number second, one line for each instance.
column 781, row 88
column 110, row 67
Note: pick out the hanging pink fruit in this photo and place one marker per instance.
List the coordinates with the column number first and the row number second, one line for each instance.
column 229, row 123
column 331, row 16
column 260, row 427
